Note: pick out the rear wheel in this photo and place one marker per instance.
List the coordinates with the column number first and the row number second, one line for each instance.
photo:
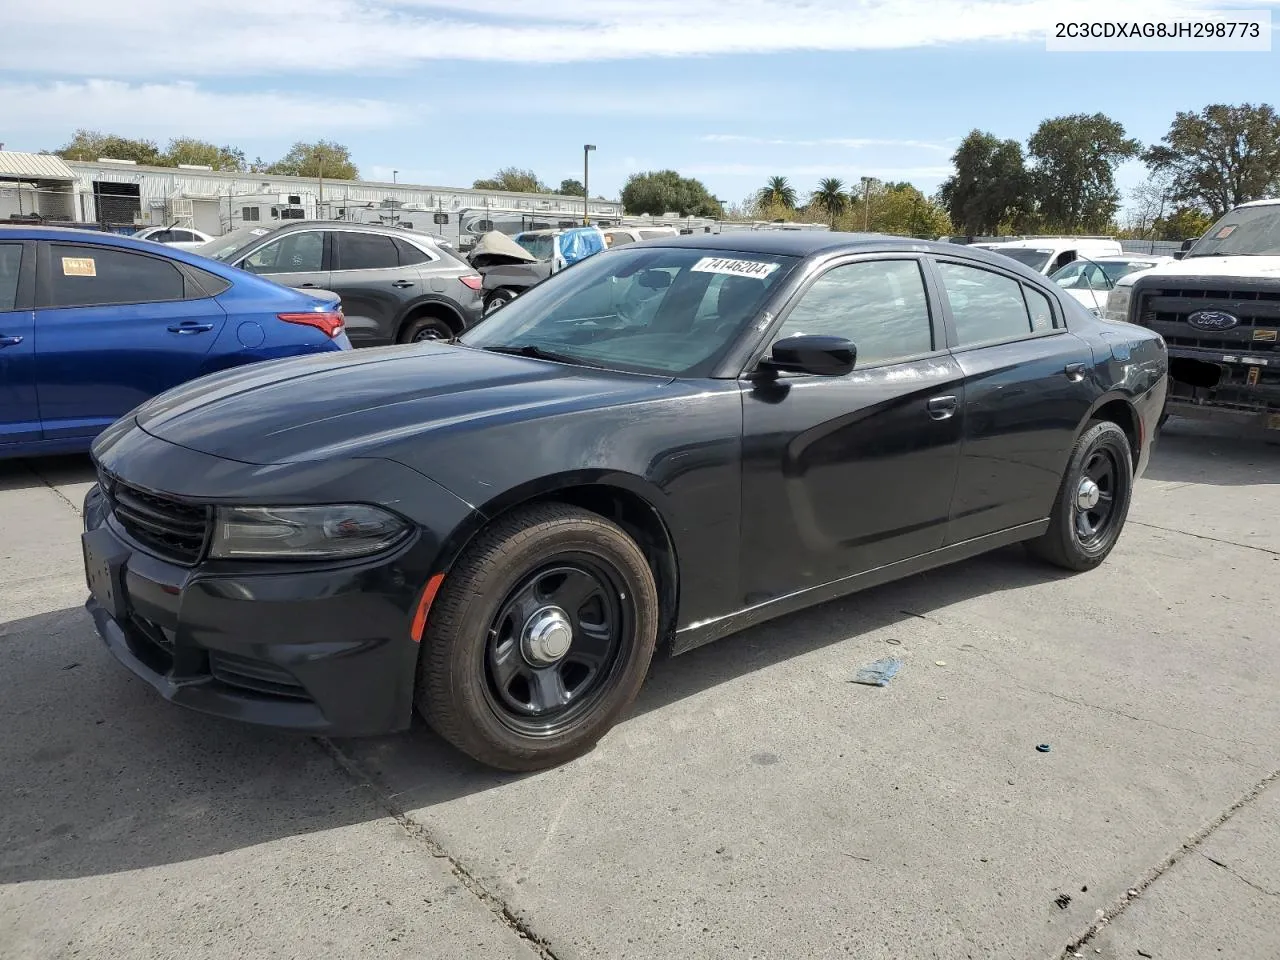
column 426, row 328
column 540, row 638
column 1093, row 501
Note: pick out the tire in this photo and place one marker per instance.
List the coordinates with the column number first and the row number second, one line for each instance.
column 480, row 684
column 498, row 299
column 1082, row 544
column 1164, row 418
column 426, row 328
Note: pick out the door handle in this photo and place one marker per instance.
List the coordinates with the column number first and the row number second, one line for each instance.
column 10, row 341
column 1074, row 372
column 940, row 408
column 189, row 327
column 306, row 286
column 404, row 283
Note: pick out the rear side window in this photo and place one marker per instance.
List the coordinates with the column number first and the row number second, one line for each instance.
column 10, row 265
column 1040, row 309
column 987, row 307
column 85, row 276
column 366, row 251
column 408, row 253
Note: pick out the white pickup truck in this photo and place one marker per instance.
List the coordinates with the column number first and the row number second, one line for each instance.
column 1218, row 310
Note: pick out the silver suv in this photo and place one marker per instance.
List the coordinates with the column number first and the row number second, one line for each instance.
column 397, row 286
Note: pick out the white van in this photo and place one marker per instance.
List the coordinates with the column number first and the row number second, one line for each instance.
column 1048, row 255
column 619, row 236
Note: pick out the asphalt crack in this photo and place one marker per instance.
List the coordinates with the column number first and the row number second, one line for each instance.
column 52, row 487
column 1242, row 879
column 421, row 835
column 1190, row 845
column 1201, row 536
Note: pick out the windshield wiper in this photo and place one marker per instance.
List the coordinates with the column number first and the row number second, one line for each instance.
column 540, row 353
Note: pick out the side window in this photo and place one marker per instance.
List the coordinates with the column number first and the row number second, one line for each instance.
column 987, row 307
column 880, row 305
column 409, row 254
column 10, row 265
column 98, row 276
column 366, row 251
column 161, row 236
column 619, row 239
column 182, row 236
column 292, row 253
column 1040, row 309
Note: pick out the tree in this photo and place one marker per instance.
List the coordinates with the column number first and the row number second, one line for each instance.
column 572, row 188
column 92, row 145
column 896, row 208
column 1074, row 177
column 1185, row 223
column 190, row 150
column 664, row 191
column 990, row 184
column 1221, row 157
column 830, row 198
column 778, row 192
column 514, row 180
column 1149, row 201
column 322, row 159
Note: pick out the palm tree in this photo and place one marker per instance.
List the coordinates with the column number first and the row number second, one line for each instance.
column 830, row 196
column 778, row 192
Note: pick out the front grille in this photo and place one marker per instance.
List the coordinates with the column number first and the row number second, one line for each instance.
column 1166, row 310
column 257, row 676
column 175, row 530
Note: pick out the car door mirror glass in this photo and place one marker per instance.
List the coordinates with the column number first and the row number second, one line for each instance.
column 818, row 355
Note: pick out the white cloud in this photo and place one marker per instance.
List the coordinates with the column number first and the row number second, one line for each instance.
column 177, row 109
column 200, row 38
column 853, row 143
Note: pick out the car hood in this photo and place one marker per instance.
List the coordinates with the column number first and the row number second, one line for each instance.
column 1244, row 267
column 364, row 403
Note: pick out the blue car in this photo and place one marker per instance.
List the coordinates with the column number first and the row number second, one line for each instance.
column 93, row 324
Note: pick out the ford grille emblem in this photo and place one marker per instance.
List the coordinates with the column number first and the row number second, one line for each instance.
column 1213, row 320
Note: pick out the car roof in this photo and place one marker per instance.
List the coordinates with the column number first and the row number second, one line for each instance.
column 73, row 235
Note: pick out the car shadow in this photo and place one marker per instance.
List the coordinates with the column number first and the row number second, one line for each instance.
column 1192, row 451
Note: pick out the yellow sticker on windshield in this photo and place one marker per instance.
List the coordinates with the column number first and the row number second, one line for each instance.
column 79, row 267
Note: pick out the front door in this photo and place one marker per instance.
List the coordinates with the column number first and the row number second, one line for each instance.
column 19, row 412
column 113, row 328
column 296, row 258
column 844, row 474
column 1026, row 391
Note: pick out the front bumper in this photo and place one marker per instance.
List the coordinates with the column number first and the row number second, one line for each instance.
column 1240, row 387
column 323, row 650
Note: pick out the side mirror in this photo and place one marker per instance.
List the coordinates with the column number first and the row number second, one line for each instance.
column 1188, row 244
column 821, row 356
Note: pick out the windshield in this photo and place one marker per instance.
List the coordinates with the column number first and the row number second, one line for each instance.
column 1035, row 259
column 541, row 246
column 1096, row 274
column 1246, row 232
column 667, row 310
column 225, row 247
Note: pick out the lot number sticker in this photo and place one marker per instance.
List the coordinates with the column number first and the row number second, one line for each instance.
column 79, row 267
column 735, row 268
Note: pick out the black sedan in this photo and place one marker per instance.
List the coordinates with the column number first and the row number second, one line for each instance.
column 666, row 443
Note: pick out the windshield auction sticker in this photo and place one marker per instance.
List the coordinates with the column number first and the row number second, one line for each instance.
column 735, row 268
column 79, row 267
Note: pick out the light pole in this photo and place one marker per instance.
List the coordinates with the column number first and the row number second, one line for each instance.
column 394, row 174
column 866, row 204
column 586, row 193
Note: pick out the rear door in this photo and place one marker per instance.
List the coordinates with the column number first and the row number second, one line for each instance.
column 19, row 410
column 297, row 258
column 113, row 328
column 1027, row 388
column 368, row 277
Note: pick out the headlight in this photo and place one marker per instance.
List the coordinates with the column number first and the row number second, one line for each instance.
column 1118, row 303
column 286, row 533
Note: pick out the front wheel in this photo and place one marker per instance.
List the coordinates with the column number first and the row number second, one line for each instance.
column 1093, row 501
column 540, row 638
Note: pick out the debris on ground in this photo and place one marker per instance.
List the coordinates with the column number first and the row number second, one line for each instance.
column 1063, row 901
column 894, row 642
column 1143, row 953
column 878, row 674
column 939, row 663
column 1043, row 747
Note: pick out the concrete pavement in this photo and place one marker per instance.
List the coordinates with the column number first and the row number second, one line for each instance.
column 755, row 803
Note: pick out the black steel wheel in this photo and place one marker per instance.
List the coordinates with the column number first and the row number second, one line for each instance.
column 1093, row 500
column 539, row 638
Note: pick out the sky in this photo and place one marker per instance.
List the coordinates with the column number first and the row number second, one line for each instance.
column 447, row 91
